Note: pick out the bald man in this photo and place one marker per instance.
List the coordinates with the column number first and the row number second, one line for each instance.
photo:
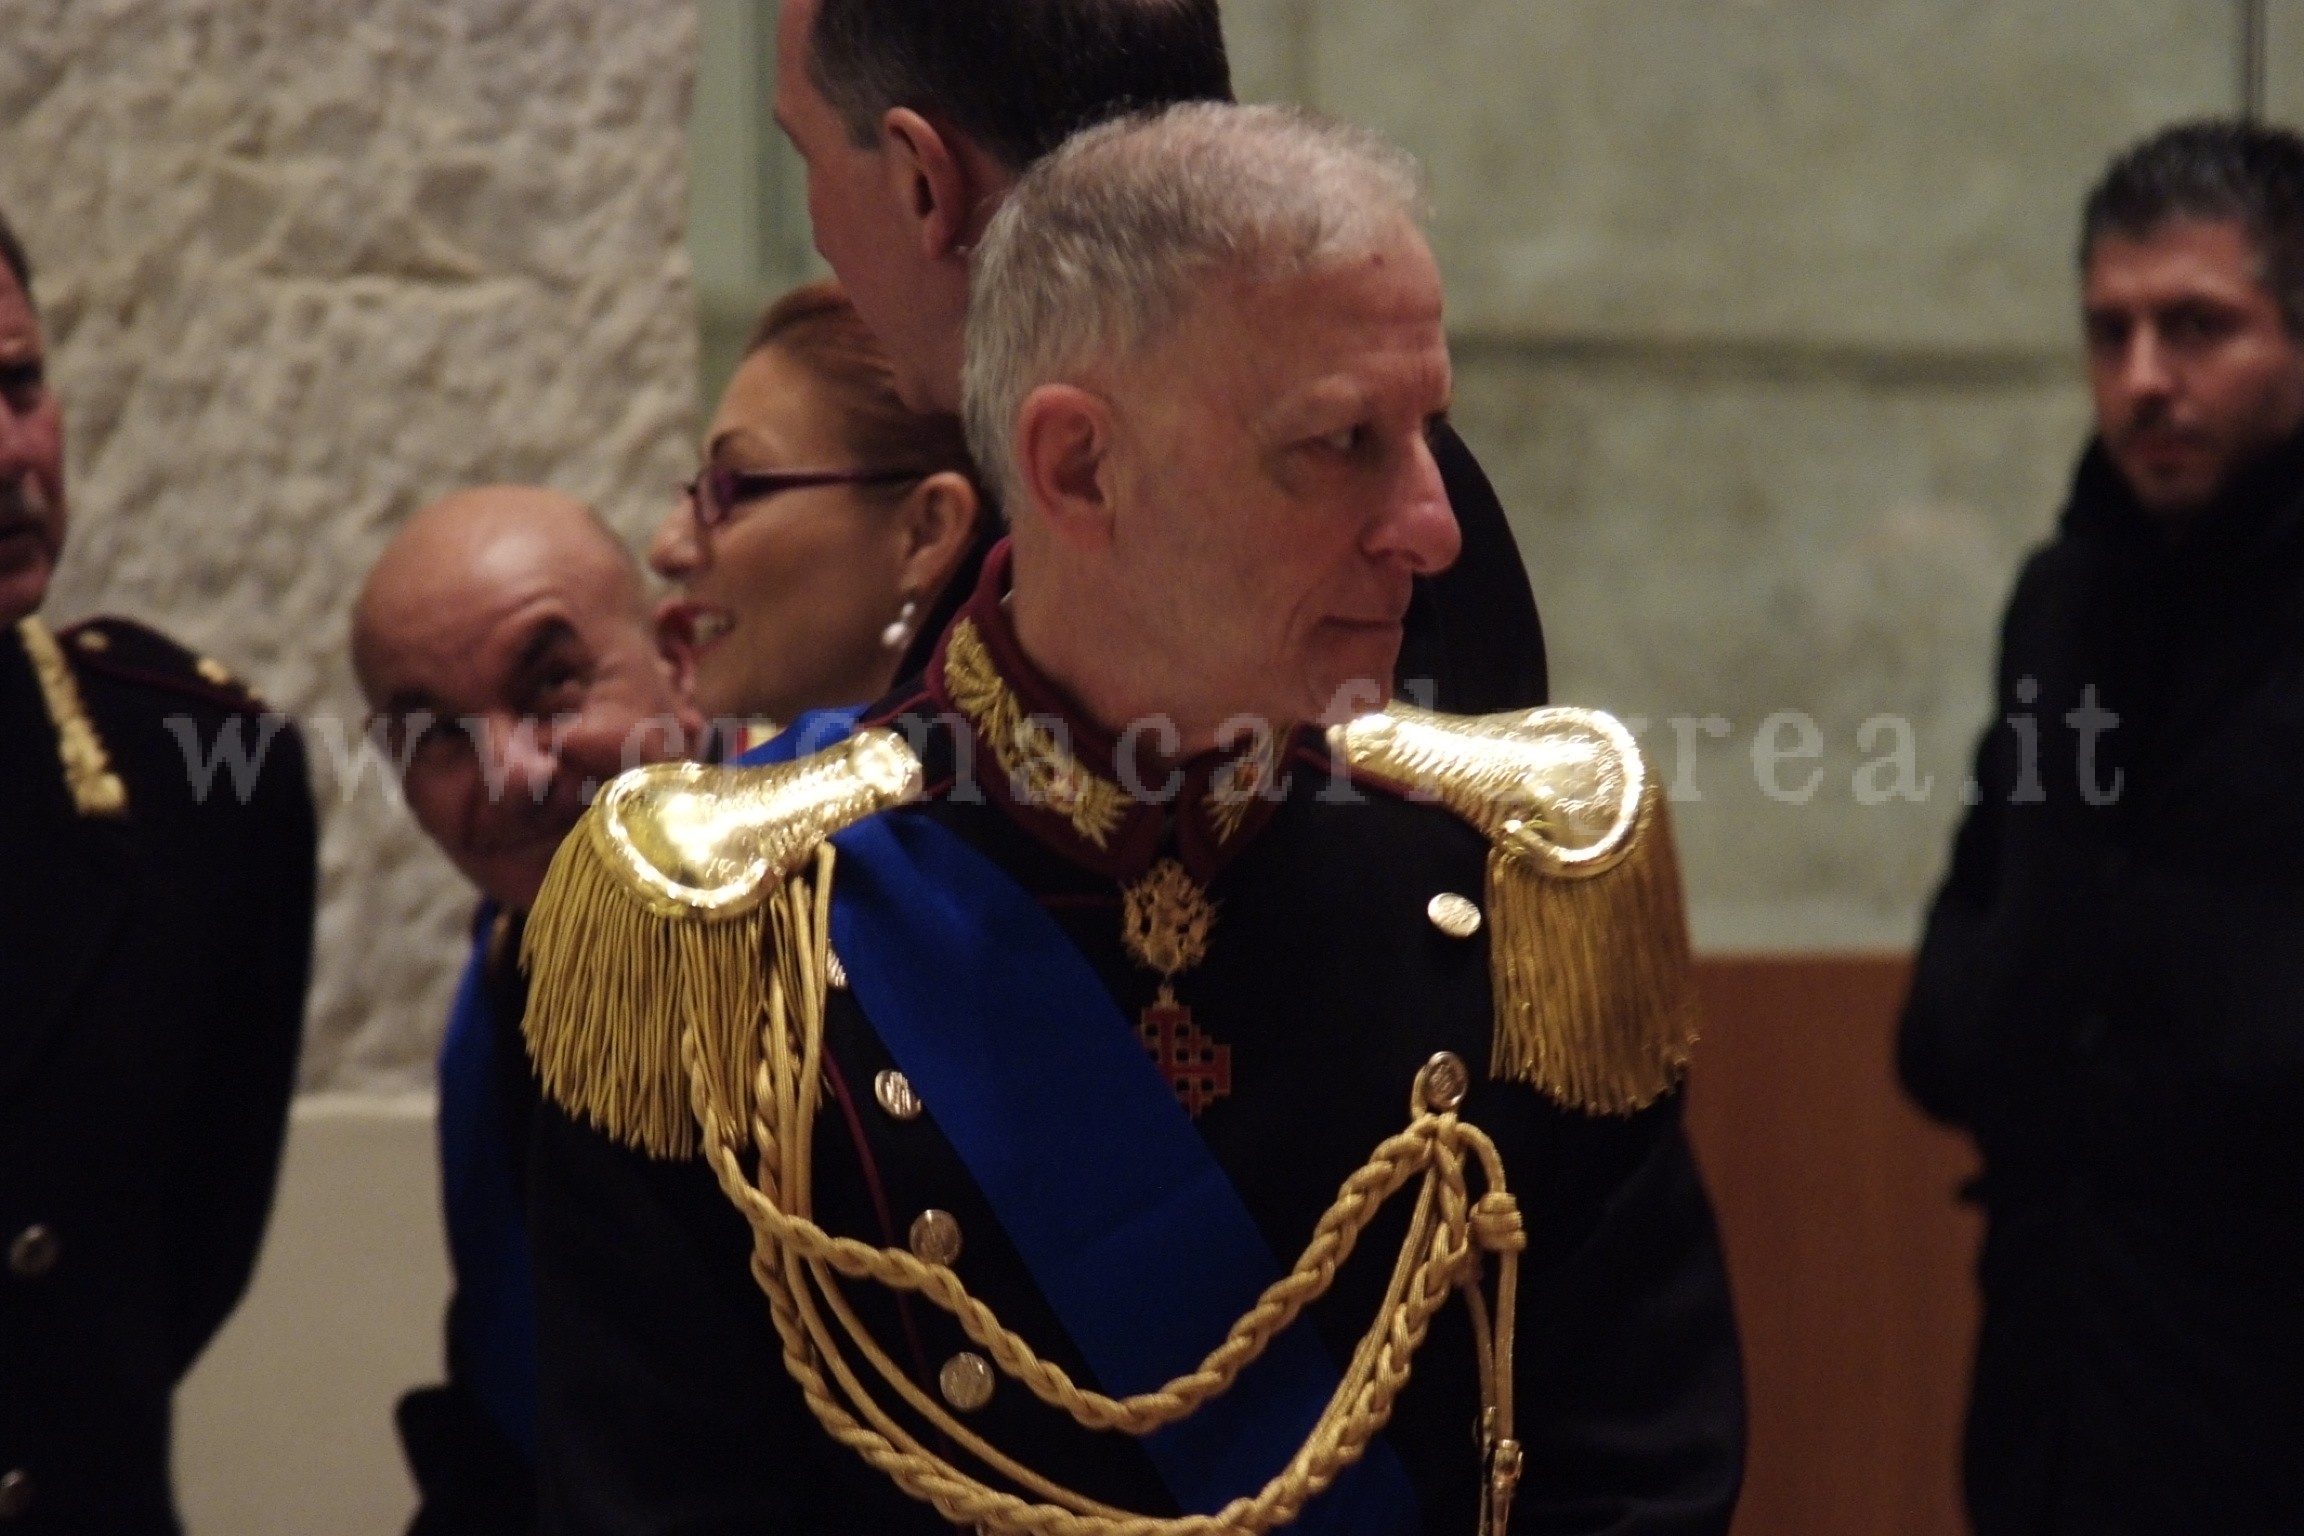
column 503, row 641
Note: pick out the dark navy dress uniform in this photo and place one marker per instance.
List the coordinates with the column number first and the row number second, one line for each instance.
column 1328, row 980
column 470, row 1441
column 155, row 943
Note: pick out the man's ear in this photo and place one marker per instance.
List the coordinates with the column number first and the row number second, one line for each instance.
column 936, row 182
column 1064, row 440
column 937, row 522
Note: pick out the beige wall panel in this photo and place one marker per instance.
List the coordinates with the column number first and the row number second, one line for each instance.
column 284, row 1427
column 306, row 266
column 1902, row 174
column 1269, row 44
column 1709, row 542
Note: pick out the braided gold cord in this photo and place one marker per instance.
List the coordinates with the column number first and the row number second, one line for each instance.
column 800, row 1267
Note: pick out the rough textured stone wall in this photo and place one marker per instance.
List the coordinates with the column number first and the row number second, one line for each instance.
column 305, row 265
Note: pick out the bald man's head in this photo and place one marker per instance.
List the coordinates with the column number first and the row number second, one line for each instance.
column 503, row 640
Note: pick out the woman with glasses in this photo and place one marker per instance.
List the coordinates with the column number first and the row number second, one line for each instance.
column 830, row 532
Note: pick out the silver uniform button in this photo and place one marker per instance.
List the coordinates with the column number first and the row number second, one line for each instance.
column 894, row 1091
column 1454, row 915
column 34, row 1252
column 936, row 1238
column 15, row 1493
column 1444, row 1082
column 966, row 1381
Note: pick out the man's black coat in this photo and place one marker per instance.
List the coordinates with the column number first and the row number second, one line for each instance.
column 152, row 976
column 2111, row 997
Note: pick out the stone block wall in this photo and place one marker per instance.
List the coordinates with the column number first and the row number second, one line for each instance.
column 306, row 265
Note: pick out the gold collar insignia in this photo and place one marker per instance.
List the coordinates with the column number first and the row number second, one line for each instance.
column 96, row 790
column 1043, row 770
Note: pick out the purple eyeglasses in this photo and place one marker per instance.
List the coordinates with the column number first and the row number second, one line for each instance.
column 717, row 491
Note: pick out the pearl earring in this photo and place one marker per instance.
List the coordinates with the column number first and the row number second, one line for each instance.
column 899, row 634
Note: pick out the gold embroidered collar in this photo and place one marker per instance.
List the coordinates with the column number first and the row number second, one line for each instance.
column 1059, row 775
column 96, row 790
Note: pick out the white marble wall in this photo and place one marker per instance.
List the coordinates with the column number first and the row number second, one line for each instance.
column 305, row 265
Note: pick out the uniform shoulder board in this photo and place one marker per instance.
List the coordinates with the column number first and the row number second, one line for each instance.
column 136, row 653
column 1588, row 947
column 652, row 922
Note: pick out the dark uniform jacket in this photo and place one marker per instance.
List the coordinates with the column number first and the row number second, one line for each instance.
column 469, row 1440
column 2111, row 997
column 665, row 1405
column 152, row 975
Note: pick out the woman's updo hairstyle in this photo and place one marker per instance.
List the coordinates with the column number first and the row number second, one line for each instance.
column 818, row 328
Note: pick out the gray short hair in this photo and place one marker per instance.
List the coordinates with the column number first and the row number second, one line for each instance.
column 1104, row 246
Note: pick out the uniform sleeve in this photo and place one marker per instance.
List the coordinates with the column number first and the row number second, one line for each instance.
column 1941, row 1042
column 1980, row 935
column 659, row 1375
column 1629, row 1384
column 228, row 1161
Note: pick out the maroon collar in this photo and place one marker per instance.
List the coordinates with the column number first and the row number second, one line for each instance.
column 1108, row 802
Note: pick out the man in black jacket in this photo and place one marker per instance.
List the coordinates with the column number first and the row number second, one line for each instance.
column 915, row 117
column 156, row 885
column 2110, row 995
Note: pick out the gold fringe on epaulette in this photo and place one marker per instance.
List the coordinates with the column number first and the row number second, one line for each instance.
column 615, row 984
column 1596, row 1006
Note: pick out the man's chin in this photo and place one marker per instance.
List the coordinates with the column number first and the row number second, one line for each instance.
column 511, row 875
column 2172, row 486
column 512, row 883
column 23, row 587
column 2172, row 497
column 1346, row 694
column 1355, row 674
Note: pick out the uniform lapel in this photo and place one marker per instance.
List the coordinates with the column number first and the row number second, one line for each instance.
column 63, row 879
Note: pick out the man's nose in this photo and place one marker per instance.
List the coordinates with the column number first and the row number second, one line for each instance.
column 15, row 441
column 1419, row 526
column 2144, row 367
column 524, row 752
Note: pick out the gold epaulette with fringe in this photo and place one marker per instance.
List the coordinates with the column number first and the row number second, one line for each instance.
column 1588, row 945
column 651, row 923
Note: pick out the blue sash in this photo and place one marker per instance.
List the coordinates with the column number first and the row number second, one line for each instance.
column 494, row 1315
column 1130, row 1227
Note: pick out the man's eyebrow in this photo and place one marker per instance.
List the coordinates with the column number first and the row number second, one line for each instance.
column 1316, row 406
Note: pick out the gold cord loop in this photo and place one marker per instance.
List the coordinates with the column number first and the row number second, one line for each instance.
column 828, row 1352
